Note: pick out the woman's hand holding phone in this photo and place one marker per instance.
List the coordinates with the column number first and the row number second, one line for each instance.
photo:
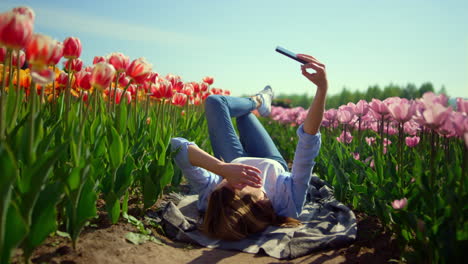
column 319, row 77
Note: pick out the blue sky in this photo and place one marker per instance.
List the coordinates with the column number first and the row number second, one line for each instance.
column 362, row 42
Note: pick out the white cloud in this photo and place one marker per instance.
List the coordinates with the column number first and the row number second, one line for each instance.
column 76, row 23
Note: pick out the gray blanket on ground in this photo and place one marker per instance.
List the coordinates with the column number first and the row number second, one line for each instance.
column 327, row 224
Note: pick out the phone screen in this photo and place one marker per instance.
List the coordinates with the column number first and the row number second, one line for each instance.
column 289, row 54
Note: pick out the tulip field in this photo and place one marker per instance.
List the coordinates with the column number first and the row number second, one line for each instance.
column 71, row 134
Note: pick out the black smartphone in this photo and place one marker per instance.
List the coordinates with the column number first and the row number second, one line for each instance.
column 290, row 54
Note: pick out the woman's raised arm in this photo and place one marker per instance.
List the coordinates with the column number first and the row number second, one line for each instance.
column 319, row 77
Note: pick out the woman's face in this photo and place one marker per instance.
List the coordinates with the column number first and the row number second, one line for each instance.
column 257, row 193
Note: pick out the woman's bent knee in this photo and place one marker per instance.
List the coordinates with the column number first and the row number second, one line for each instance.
column 214, row 102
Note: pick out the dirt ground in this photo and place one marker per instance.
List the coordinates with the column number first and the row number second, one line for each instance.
column 104, row 243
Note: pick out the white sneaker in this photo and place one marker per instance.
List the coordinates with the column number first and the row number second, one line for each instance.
column 267, row 97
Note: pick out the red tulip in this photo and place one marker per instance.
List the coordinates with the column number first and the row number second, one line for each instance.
column 21, row 57
column 196, row 87
column 399, row 204
column 203, row 87
column 57, row 54
column 98, row 59
column 2, row 54
column 139, row 70
column 26, row 11
column 123, row 79
column 153, row 77
column 85, row 97
column 412, row 141
column 161, row 90
column 102, row 75
column 72, row 48
column 62, row 79
column 15, row 30
column 75, row 65
column 197, row 100
column 42, row 76
column 209, row 80
column 188, row 89
column 176, row 82
column 40, row 50
column 83, row 80
column 179, row 99
column 119, row 61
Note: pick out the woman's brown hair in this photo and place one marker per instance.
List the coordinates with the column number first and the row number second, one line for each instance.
column 230, row 217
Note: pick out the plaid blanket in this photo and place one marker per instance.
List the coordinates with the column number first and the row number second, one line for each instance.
column 327, row 224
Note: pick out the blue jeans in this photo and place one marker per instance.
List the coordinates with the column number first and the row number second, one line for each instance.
column 253, row 140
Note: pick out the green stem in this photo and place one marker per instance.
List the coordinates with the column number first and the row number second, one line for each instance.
column 32, row 113
column 3, row 95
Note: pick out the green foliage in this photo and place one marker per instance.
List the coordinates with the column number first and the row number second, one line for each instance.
column 410, row 91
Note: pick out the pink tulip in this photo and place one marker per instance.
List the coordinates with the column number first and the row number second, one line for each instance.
column 411, row 127
column 430, row 98
column 379, row 108
column 412, row 141
column 72, row 48
column 102, row 75
column 462, row 105
column 119, row 61
column 330, row 114
column 40, row 50
column 208, row 80
column 21, row 57
column 435, row 115
column 179, row 99
column 15, row 30
column 459, row 121
column 98, row 59
column 344, row 115
column 370, row 140
column 139, row 70
column 361, row 108
column 355, row 155
column 400, row 204
column 402, row 110
column 26, row 11
column 74, row 65
column 345, row 138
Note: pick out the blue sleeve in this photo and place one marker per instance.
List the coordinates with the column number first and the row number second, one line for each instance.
column 200, row 179
column 307, row 150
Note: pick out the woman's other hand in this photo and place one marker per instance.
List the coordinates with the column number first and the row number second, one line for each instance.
column 319, row 77
column 241, row 175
